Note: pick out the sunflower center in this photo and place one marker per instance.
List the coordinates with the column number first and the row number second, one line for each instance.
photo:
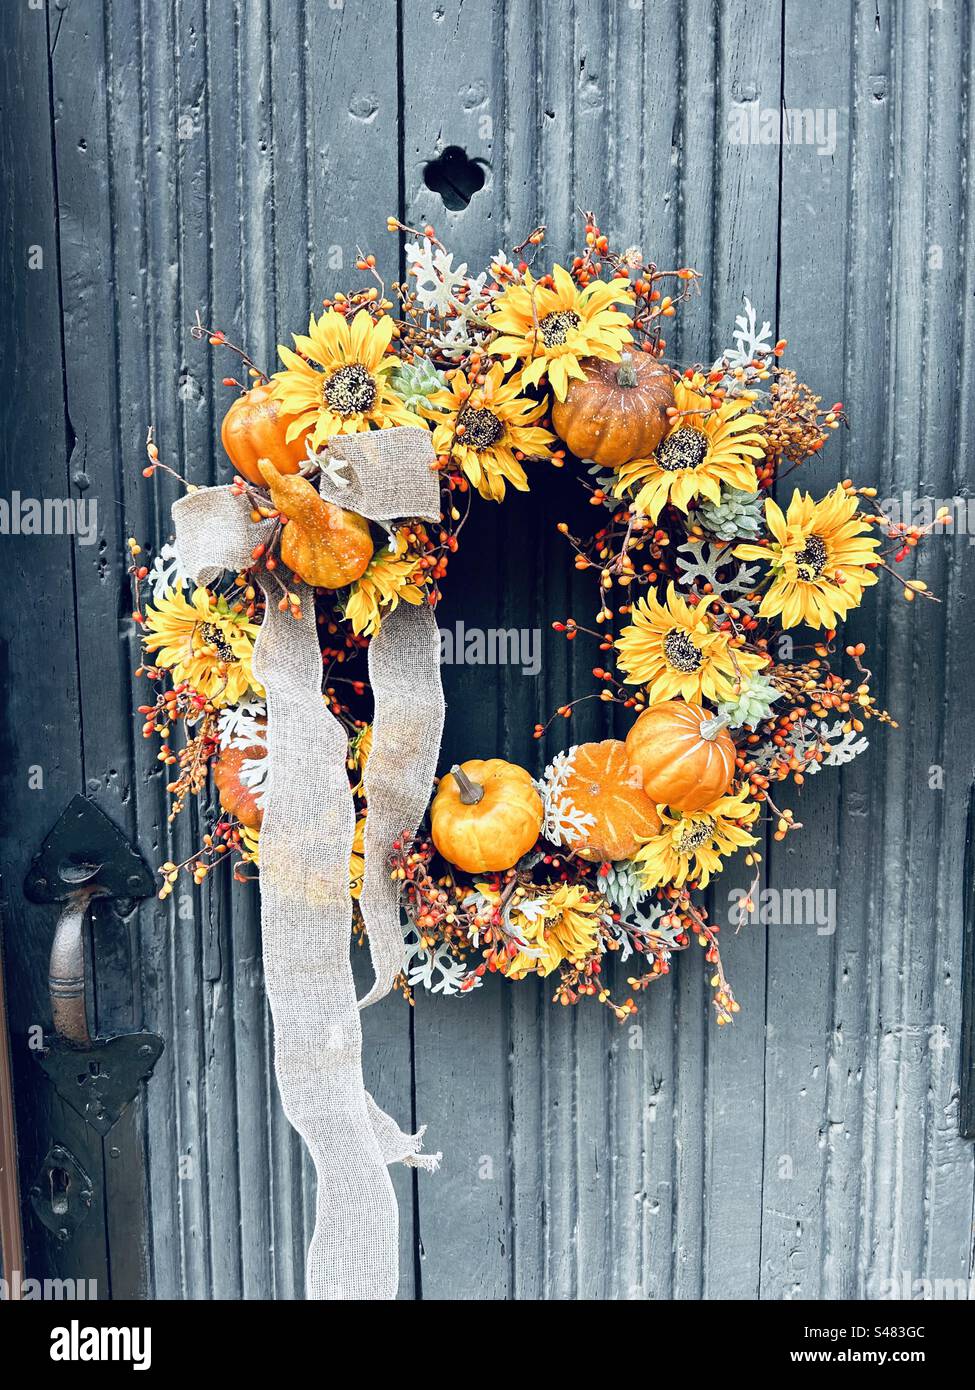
column 811, row 559
column 482, row 428
column 681, row 652
column 699, row 834
column 556, row 327
column 350, row 390
column 213, row 636
column 685, row 448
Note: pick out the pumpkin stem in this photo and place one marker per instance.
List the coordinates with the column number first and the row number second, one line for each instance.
column 710, row 728
column 470, row 792
column 626, row 375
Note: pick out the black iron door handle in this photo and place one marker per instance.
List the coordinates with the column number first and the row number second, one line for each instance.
column 66, row 970
column 85, row 858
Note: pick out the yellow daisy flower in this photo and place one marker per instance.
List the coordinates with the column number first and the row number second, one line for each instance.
column 561, row 925
column 204, row 644
column 704, row 449
column 819, row 555
column 347, row 392
column 675, row 651
column 551, row 330
column 391, row 577
column 357, row 860
column 482, row 428
column 692, row 844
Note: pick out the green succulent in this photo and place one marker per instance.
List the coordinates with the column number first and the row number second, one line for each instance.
column 738, row 516
column 622, row 886
column 753, row 706
column 413, row 382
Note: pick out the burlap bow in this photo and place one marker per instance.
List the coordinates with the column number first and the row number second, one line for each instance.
column 306, row 843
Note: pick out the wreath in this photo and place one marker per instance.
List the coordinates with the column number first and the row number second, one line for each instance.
column 698, row 573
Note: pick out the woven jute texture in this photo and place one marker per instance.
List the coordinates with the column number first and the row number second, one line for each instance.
column 306, row 843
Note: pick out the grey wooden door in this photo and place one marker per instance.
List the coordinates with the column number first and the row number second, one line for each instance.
column 230, row 155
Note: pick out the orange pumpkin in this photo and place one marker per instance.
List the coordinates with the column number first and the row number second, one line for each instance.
column 254, row 428
column 323, row 544
column 619, row 412
column 602, row 784
column 236, row 798
column 485, row 815
column 683, row 753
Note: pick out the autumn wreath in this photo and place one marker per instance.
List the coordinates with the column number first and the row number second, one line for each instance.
column 698, row 571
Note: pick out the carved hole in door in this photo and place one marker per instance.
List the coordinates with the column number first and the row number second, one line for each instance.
column 455, row 177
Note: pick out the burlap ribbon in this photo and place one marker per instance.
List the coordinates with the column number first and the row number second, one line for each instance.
column 306, row 842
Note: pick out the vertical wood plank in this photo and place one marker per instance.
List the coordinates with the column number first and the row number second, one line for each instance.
column 42, row 763
column 144, row 298
column 848, row 1099
column 352, row 163
column 816, row 179
column 87, row 231
column 691, row 1028
column 744, row 261
column 452, row 50
column 642, row 208
column 946, row 1252
column 293, row 297
column 917, row 1164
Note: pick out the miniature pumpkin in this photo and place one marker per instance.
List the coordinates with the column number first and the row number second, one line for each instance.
column 684, row 754
column 254, row 428
column 602, row 784
column 236, row 797
column 324, row 545
column 618, row 412
column 485, row 815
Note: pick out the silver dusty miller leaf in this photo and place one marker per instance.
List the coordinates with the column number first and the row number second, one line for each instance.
column 840, row 746
column 703, row 562
column 437, row 971
column 751, row 344
column 165, row 575
column 332, row 468
column 240, row 726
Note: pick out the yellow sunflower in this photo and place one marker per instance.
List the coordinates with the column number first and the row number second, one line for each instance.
column 562, row 924
column 391, row 577
column 250, row 842
column 204, row 644
column 357, row 860
column 692, row 844
column 704, row 449
column 819, row 555
column 482, row 427
column 551, row 330
column 675, row 651
column 347, row 392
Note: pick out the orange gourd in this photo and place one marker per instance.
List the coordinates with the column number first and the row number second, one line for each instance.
column 254, row 428
column 684, row 754
column 485, row 815
column 323, row 544
column 236, row 798
column 602, row 784
column 619, row 412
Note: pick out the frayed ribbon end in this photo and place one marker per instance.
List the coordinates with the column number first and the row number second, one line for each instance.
column 413, row 1158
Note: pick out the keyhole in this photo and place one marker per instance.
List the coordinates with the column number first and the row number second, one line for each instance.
column 60, row 1182
column 455, row 177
